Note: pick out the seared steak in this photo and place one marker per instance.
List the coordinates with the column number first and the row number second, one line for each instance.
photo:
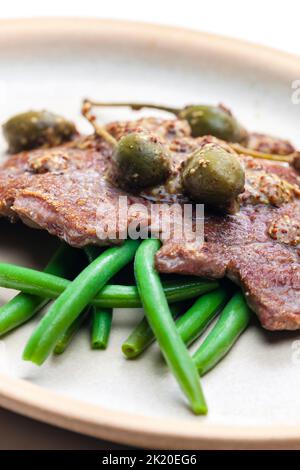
column 60, row 190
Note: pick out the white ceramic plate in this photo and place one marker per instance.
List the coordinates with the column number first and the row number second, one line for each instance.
column 253, row 395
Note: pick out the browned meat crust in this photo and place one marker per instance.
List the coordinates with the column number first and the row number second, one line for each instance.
column 268, row 144
column 60, row 189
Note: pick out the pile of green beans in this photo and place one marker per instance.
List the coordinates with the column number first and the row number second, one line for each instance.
column 171, row 319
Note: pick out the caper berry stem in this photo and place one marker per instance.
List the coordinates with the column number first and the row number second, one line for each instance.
column 241, row 150
column 135, row 106
column 99, row 130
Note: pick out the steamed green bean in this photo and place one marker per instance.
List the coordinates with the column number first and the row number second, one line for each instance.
column 232, row 322
column 161, row 321
column 100, row 327
column 69, row 334
column 142, row 335
column 49, row 286
column 101, row 317
column 197, row 318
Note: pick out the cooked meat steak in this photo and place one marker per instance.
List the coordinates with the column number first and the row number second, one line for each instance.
column 241, row 248
column 60, row 190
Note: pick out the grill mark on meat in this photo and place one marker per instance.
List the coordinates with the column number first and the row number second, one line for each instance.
column 60, row 189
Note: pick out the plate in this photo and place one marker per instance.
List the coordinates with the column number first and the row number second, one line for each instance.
column 253, row 395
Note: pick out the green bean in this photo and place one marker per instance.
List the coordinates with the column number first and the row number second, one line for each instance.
column 232, row 322
column 101, row 326
column 75, row 298
column 142, row 335
column 68, row 335
column 197, row 318
column 31, row 281
column 124, row 277
column 161, row 321
column 70, row 332
column 22, row 307
column 101, row 317
column 190, row 325
column 115, row 296
column 111, row 296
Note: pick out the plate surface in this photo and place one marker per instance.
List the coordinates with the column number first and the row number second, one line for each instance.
column 253, row 395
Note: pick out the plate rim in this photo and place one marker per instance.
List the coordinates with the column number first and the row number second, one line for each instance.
column 28, row 399
column 31, row 400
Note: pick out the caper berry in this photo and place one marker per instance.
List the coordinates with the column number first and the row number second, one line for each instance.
column 213, row 176
column 213, row 120
column 142, row 161
column 34, row 129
